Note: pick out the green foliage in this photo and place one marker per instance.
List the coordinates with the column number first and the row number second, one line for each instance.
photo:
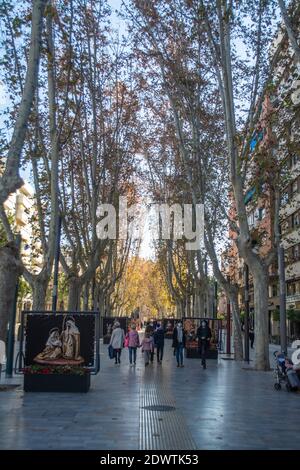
column 3, row 237
column 276, row 315
column 293, row 314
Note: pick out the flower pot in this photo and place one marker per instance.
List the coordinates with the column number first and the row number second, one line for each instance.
column 57, row 383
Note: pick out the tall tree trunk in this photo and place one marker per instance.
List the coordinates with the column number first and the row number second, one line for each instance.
column 179, row 311
column 39, row 287
column 261, row 296
column 101, row 302
column 238, row 337
column 86, row 292
column 75, row 288
column 11, row 269
column 188, row 305
column 199, row 302
column 11, row 180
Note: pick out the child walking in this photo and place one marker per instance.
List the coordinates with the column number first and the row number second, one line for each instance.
column 147, row 347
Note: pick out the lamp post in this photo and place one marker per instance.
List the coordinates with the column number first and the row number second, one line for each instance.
column 12, row 324
column 246, row 323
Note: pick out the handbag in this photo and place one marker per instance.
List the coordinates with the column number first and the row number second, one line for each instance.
column 111, row 352
column 126, row 342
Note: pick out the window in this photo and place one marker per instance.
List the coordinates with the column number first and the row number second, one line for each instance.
column 249, row 195
column 274, row 290
column 251, row 219
column 295, row 219
column 294, row 160
column 284, row 198
column 291, row 288
column 261, row 213
column 295, row 187
column 296, row 252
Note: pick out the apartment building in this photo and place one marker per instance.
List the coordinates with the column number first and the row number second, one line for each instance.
column 277, row 135
column 20, row 207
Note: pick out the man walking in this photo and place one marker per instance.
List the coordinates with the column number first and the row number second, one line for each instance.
column 203, row 335
column 159, row 342
column 179, row 343
column 251, row 337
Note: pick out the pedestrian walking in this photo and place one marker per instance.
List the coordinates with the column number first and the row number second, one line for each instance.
column 133, row 343
column 117, row 341
column 150, row 331
column 159, row 342
column 147, row 347
column 179, row 343
column 203, row 335
column 251, row 337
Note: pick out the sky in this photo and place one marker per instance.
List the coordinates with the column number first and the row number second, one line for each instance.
column 146, row 247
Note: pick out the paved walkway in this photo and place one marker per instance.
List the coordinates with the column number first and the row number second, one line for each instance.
column 160, row 407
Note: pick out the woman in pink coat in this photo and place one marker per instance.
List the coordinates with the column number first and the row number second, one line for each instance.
column 133, row 341
column 147, row 347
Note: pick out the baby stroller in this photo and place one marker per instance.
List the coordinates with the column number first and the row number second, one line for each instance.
column 284, row 373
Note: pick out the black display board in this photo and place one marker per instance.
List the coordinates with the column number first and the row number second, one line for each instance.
column 190, row 325
column 60, row 339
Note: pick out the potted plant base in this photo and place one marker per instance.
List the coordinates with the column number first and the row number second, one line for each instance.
column 38, row 379
column 57, row 383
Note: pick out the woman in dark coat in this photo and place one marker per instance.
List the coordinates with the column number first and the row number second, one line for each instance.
column 159, row 342
column 179, row 343
column 203, row 335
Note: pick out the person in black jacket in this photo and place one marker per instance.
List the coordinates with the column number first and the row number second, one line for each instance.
column 159, row 342
column 179, row 343
column 203, row 335
column 251, row 337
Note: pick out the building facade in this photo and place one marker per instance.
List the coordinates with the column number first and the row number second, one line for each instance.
column 277, row 141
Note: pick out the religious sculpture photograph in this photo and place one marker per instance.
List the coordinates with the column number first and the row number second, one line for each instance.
column 62, row 347
column 60, row 340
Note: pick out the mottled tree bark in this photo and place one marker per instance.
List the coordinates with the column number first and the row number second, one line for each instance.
column 10, row 270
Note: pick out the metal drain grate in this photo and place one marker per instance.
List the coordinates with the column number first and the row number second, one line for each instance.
column 159, row 408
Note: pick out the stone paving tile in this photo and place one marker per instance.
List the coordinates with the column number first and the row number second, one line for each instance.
column 224, row 407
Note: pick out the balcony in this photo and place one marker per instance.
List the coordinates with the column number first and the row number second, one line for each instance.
column 293, row 298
